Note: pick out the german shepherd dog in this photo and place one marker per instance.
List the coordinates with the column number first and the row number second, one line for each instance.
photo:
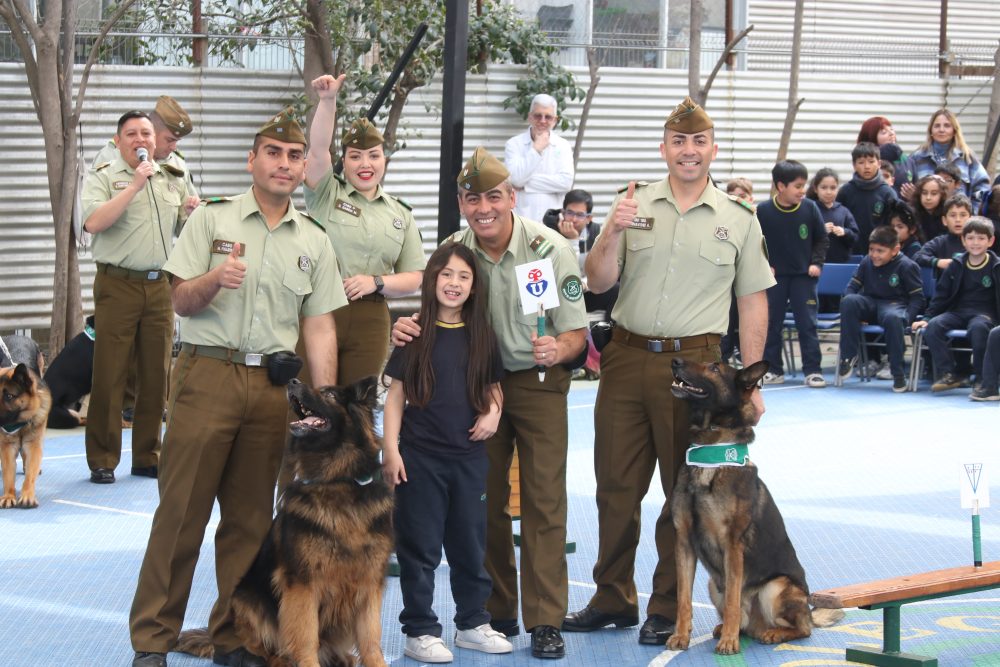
column 313, row 596
column 725, row 517
column 24, row 409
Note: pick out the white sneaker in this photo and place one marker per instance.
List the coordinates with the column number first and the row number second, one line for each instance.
column 484, row 638
column 773, row 378
column 883, row 372
column 815, row 380
column 427, row 648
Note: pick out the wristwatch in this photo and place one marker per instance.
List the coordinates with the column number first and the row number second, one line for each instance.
column 379, row 284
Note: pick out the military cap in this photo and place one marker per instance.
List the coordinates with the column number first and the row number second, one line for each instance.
column 283, row 127
column 362, row 134
column 688, row 117
column 173, row 116
column 482, row 172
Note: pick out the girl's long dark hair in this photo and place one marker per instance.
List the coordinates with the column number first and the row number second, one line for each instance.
column 817, row 179
column 929, row 221
column 418, row 376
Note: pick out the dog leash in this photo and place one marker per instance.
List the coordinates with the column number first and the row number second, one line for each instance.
column 6, row 352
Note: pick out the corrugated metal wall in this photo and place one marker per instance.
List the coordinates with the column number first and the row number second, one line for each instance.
column 621, row 141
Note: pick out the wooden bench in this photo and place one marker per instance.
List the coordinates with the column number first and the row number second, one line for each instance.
column 891, row 594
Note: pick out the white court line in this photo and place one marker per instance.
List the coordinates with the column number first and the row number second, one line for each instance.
column 102, row 508
column 72, row 456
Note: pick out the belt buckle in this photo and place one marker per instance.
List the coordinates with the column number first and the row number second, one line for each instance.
column 654, row 345
column 254, row 359
column 153, row 275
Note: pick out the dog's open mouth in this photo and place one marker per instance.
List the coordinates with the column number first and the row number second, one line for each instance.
column 682, row 389
column 307, row 418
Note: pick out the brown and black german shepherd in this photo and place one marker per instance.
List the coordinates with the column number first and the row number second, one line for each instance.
column 725, row 517
column 24, row 409
column 314, row 593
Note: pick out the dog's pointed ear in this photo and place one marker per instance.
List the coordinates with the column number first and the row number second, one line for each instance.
column 751, row 375
column 365, row 392
column 22, row 377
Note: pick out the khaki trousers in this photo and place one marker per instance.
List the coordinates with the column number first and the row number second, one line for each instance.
column 135, row 320
column 362, row 340
column 638, row 424
column 224, row 440
column 534, row 416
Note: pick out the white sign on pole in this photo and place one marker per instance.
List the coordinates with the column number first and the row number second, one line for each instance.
column 536, row 284
column 975, row 486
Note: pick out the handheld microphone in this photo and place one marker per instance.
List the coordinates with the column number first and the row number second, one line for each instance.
column 142, row 154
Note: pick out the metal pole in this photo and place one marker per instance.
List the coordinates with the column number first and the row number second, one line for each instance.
column 198, row 43
column 456, row 45
column 943, row 42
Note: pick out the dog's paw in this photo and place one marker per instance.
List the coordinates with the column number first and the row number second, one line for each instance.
column 728, row 646
column 678, row 643
column 717, row 632
column 7, row 501
column 27, row 502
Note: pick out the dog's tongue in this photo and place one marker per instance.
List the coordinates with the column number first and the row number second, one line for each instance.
column 312, row 421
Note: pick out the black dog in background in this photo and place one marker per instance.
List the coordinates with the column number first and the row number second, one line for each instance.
column 69, row 377
column 22, row 350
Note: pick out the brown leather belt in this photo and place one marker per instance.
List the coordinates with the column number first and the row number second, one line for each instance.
column 130, row 274
column 225, row 354
column 626, row 337
column 377, row 298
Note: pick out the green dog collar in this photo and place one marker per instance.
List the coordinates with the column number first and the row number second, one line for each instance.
column 11, row 429
column 714, row 456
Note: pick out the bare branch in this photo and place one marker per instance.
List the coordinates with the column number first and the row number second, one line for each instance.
column 92, row 58
column 17, row 32
column 694, row 47
column 593, row 64
column 27, row 18
column 703, row 93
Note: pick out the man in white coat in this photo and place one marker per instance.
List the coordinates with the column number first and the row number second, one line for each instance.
column 540, row 162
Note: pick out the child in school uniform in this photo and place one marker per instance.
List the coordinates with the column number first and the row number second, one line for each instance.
column 967, row 297
column 940, row 251
column 443, row 402
column 840, row 224
column 928, row 206
column 866, row 194
column 902, row 220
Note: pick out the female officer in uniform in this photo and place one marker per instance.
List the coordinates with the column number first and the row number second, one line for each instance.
column 374, row 234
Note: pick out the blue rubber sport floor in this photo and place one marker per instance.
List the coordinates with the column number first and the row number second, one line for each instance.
column 867, row 481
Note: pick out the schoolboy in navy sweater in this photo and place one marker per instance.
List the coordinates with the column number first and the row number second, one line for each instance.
column 866, row 194
column 940, row 251
column 887, row 290
column 967, row 297
column 797, row 242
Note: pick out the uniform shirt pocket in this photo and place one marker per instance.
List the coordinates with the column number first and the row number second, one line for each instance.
column 718, row 253
column 638, row 240
column 297, row 281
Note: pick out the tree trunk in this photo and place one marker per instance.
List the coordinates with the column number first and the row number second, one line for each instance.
column 793, row 83
column 593, row 63
column 694, row 49
column 723, row 59
column 989, row 150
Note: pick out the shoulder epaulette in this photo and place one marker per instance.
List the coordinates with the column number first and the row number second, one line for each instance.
column 172, row 170
column 638, row 184
column 101, row 166
column 313, row 220
column 743, row 202
column 178, row 154
column 456, row 237
column 215, row 200
column 542, row 246
column 402, row 201
column 340, row 177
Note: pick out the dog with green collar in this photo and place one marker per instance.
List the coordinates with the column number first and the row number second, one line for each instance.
column 725, row 517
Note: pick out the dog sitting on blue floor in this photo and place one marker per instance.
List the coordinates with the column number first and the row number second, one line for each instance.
column 726, row 518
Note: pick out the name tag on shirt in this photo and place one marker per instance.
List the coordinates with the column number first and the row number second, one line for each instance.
column 347, row 207
column 221, row 247
column 641, row 223
column 120, row 185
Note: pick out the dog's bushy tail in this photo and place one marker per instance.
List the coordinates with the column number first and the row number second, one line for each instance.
column 824, row 618
column 195, row 642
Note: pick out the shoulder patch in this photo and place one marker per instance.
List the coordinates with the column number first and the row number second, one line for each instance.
column 405, row 204
column 178, row 154
column 215, row 200
column 340, row 177
column 103, row 165
column 542, row 246
column 172, row 170
column 742, row 202
column 638, row 184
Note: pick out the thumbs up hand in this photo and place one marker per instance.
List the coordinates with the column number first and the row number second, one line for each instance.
column 626, row 209
column 232, row 271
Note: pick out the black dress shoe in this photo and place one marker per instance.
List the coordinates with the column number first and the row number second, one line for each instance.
column 590, row 618
column 656, row 630
column 546, row 642
column 147, row 471
column 239, row 658
column 148, row 659
column 509, row 627
column 102, row 476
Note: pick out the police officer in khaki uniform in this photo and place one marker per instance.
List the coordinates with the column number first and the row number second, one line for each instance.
column 534, row 411
column 131, row 206
column 377, row 240
column 170, row 124
column 680, row 247
column 245, row 270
